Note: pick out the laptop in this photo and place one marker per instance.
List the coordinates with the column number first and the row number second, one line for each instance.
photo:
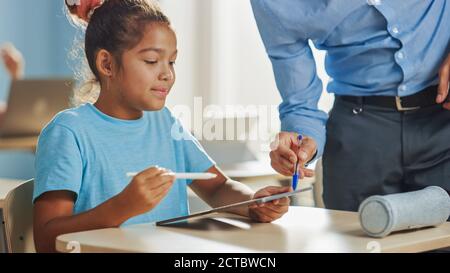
column 32, row 103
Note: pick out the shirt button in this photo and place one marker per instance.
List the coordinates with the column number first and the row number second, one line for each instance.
column 395, row 30
column 402, row 88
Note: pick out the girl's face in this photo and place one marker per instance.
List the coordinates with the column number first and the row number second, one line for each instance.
column 147, row 71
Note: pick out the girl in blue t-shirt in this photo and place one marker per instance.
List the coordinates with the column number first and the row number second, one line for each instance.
column 84, row 153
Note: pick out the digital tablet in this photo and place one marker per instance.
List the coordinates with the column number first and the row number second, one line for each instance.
column 224, row 208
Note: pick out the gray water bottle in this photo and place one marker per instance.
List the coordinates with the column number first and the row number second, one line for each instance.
column 381, row 215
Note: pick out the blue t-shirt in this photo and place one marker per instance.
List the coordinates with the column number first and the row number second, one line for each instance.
column 87, row 152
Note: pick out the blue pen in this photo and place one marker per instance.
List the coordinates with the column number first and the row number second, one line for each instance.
column 295, row 176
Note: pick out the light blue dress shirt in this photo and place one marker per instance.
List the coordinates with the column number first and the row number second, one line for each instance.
column 374, row 47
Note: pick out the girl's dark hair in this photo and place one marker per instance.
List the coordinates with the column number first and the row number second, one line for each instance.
column 116, row 25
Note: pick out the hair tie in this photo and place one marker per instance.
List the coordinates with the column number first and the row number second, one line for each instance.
column 91, row 12
column 73, row 6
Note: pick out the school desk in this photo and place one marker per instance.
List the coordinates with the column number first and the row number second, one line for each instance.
column 19, row 143
column 302, row 229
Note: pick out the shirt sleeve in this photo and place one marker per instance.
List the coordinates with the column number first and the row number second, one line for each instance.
column 295, row 71
column 58, row 162
column 195, row 157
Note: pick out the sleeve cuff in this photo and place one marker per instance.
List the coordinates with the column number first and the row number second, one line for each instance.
column 318, row 136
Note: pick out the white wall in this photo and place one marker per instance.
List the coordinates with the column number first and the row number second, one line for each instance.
column 222, row 58
column 183, row 15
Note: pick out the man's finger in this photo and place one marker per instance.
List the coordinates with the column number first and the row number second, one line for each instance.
column 307, row 150
column 307, row 172
column 288, row 165
column 285, row 163
column 446, row 105
column 287, row 153
column 443, row 83
column 278, row 167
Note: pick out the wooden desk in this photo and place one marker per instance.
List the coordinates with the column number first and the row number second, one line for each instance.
column 19, row 143
column 300, row 230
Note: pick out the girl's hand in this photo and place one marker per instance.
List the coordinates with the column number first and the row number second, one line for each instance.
column 269, row 211
column 13, row 60
column 444, row 78
column 146, row 190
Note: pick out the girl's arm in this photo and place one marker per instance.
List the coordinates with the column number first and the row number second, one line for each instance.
column 222, row 191
column 53, row 216
column 53, row 211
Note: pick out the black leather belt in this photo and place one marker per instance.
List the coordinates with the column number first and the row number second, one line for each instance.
column 424, row 98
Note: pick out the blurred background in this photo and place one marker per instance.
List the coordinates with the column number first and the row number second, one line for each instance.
column 41, row 31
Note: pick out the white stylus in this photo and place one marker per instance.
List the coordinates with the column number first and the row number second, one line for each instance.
column 193, row 176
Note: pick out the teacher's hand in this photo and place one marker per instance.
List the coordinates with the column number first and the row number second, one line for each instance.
column 444, row 79
column 286, row 150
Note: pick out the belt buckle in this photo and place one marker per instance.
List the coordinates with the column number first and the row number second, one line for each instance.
column 398, row 103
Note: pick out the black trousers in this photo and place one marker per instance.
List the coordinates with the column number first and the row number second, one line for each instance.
column 383, row 151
